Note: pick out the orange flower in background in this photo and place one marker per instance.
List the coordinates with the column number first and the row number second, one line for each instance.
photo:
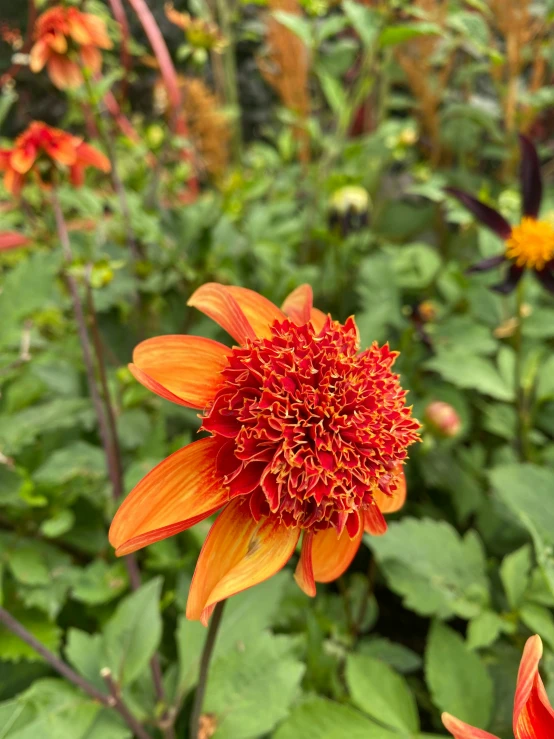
column 39, row 149
column 308, row 436
column 533, row 714
column 67, row 40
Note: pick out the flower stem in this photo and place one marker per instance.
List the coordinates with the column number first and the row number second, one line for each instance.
column 204, row 669
column 110, row 701
column 230, row 75
column 519, row 390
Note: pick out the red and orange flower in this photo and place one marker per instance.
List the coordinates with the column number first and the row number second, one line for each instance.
column 533, row 714
column 67, row 40
column 308, row 435
column 40, row 149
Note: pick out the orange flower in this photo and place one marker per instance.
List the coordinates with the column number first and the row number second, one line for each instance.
column 308, row 436
column 533, row 714
column 41, row 148
column 65, row 41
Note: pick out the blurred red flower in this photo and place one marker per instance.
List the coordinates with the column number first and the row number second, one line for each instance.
column 67, row 40
column 39, row 149
column 308, row 436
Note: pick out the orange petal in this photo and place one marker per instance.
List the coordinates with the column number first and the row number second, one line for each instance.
column 176, row 494
column 13, row 181
column 461, row 730
column 23, row 158
column 38, row 56
column 304, row 574
column 63, row 72
column 331, row 555
column 183, row 369
column 237, row 554
column 374, row 521
column 217, row 302
column 260, row 312
column 397, row 498
column 90, row 157
column 58, row 43
column 91, row 58
column 533, row 714
column 318, row 319
column 298, row 305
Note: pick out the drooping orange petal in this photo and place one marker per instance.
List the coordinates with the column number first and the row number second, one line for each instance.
column 318, row 319
column 237, row 554
column 176, row 494
column 58, row 43
column 395, row 501
column 374, row 521
column 22, row 158
column 183, row 369
column 91, row 58
column 260, row 312
column 533, row 714
column 461, row 730
column 217, row 302
column 331, row 555
column 304, row 574
column 63, row 72
column 13, row 181
column 90, row 157
column 298, row 305
column 38, row 56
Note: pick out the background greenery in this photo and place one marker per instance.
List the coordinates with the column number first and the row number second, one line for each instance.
column 402, row 98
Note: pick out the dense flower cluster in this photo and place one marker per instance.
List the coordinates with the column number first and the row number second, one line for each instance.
column 66, row 40
column 309, row 436
column 40, row 149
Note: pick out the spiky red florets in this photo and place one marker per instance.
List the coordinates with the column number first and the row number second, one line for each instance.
column 309, row 426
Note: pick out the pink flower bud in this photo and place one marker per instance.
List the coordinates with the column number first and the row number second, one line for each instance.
column 443, row 419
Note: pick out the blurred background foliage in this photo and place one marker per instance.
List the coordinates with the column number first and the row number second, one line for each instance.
column 319, row 139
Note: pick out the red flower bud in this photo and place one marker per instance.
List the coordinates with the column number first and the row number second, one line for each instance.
column 443, row 419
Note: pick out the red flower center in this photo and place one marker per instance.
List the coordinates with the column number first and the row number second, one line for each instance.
column 310, row 427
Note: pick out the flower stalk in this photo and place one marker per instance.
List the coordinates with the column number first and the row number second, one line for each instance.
column 205, row 668
column 519, row 390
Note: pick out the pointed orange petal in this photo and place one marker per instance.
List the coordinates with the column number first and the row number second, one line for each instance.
column 183, row 369
column 90, row 157
column 237, row 554
column 38, row 56
column 91, row 58
column 461, row 730
column 395, row 501
column 22, row 159
column 176, row 494
column 533, row 714
column 260, row 312
column 304, row 574
column 58, row 43
column 374, row 521
column 217, row 302
column 318, row 319
column 63, row 72
column 332, row 554
column 298, row 305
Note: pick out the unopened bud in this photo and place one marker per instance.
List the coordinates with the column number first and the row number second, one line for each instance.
column 349, row 209
column 443, row 419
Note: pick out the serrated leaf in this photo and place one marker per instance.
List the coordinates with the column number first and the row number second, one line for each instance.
column 100, row 583
column 319, row 718
column 381, row 693
column 484, row 629
column 76, row 460
column 133, row 633
column 433, row 568
column 458, row 680
column 263, row 673
column 472, row 373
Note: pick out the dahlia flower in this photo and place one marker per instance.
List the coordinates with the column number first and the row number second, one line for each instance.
column 530, row 243
column 308, row 436
column 67, row 40
column 39, row 149
column 533, row 714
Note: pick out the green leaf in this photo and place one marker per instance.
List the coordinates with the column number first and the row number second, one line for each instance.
column 433, row 568
column 415, row 265
column 250, row 689
column 471, row 373
column 393, row 35
column 13, row 649
column 28, row 566
column 76, row 460
column 539, row 620
column 85, row 652
column 458, row 680
column 318, row 718
column 396, row 655
column 333, row 90
column 100, row 583
column 381, row 693
column 133, row 633
column 514, row 573
column 527, row 491
column 484, row 629
column 365, row 21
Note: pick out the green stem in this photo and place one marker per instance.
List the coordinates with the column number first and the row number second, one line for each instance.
column 519, row 390
column 204, row 670
column 230, row 75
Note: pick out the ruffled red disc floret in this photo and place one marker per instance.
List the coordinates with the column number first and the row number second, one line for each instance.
column 310, row 428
